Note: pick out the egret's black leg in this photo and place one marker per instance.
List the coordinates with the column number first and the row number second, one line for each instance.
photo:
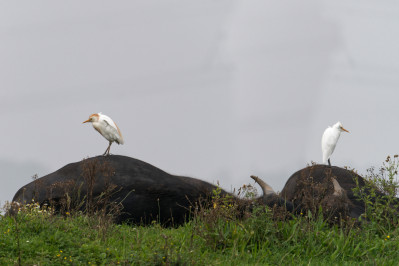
column 109, row 147
column 329, row 162
column 107, row 150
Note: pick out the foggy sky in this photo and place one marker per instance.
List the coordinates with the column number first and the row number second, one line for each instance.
column 217, row 90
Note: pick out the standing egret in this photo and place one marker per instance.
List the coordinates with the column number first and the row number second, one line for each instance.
column 107, row 128
column 330, row 139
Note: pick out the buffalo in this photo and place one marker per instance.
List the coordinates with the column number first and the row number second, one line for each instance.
column 143, row 193
column 330, row 187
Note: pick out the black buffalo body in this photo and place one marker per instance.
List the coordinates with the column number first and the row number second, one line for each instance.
column 146, row 192
column 330, row 187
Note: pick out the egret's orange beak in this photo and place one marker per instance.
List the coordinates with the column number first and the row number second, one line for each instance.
column 88, row 120
column 344, row 129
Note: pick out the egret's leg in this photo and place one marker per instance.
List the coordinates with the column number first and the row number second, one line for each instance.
column 329, row 162
column 109, row 147
column 107, row 150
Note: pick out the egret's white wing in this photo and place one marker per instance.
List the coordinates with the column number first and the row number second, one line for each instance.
column 109, row 121
column 112, row 129
column 328, row 142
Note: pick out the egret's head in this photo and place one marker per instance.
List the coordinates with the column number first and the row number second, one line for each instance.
column 339, row 126
column 92, row 118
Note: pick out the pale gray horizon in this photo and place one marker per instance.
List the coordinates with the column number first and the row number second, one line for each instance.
column 216, row 90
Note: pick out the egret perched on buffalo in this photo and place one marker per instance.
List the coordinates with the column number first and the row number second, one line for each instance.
column 330, row 139
column 107, row 128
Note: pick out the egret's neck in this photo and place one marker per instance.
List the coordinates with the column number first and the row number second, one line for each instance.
column 96, row 126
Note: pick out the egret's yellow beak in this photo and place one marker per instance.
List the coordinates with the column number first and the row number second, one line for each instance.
column 88, row 120
column 344, row 129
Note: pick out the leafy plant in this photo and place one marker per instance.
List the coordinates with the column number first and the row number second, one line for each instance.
column 379, row 195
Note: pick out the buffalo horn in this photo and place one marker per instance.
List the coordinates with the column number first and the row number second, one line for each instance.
column 338, row 190
column 267, row 190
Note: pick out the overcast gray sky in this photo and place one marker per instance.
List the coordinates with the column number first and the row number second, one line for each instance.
column 216, row 90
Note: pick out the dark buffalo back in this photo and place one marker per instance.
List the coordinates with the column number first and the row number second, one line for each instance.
column 146, row 192
column 314, row 183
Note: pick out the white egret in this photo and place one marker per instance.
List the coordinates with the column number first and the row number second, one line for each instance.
column 329, row 140
column 107, row 128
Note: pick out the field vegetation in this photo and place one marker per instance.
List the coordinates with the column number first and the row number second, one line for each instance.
column 219, row 234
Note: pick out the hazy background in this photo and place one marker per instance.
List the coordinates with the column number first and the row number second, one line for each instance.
column 217, row 90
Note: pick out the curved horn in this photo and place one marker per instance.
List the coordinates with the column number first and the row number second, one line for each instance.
column 267, row 190
column 338, row 190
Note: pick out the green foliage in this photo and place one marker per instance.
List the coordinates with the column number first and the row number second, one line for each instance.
column 79, row 239
column 35, row 238
column 221, row 233
column 380, row 197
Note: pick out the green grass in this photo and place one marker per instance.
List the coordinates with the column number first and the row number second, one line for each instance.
column 46, row 239
column 215, row 236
